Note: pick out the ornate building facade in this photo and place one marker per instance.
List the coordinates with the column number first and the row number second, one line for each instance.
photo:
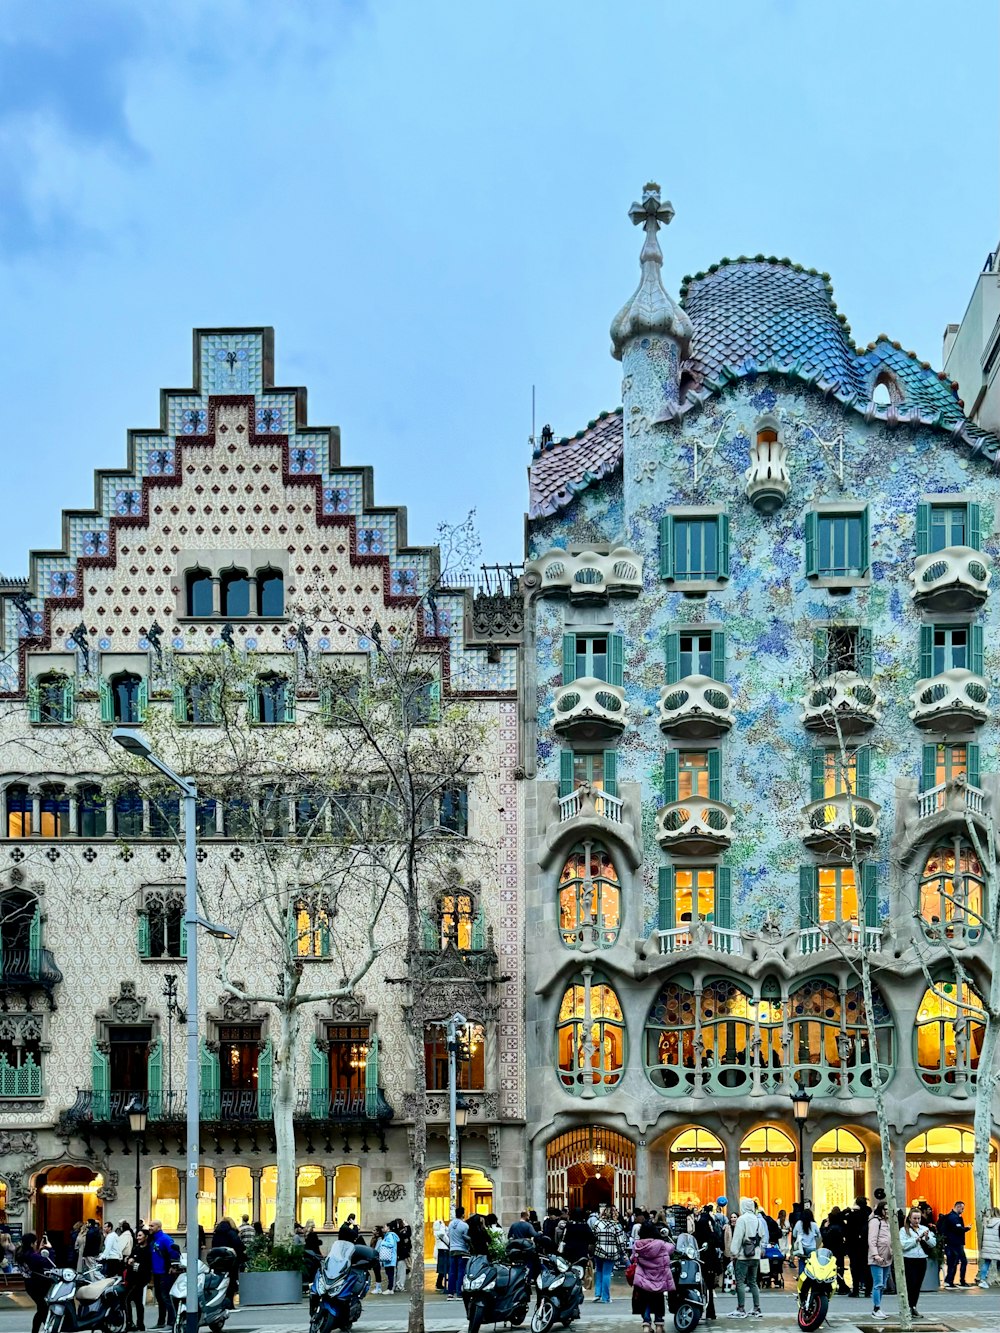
column 235, row 525
column 760, row 637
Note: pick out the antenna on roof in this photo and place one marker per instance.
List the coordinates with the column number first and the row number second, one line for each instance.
column 532, row 435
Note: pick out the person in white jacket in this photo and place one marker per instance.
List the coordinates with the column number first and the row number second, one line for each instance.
column 111, row 1258
column 989, row 1246
column 441, row 1252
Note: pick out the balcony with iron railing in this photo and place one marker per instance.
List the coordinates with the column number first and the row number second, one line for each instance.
column 696, row 707
column 24, row 968
column 588, row 576
column 953, row 700
column 954, row 579
column 843, row 703
column 695, row 826
column 829, row 823
column 244, row 1106
column 589, row 709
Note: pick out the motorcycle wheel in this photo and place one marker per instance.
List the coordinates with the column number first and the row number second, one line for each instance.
column 115, row 1321
column 518, row 1316
column 217, row 1326
column 686, row 1317
column 542, row 1319
column 476, row 1313
column 812, row 1310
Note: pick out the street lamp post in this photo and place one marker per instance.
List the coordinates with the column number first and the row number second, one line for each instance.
column 452, row 1026
column 800, row 1110
column 136, row 1111
column 461, row 1120
column 135, row 743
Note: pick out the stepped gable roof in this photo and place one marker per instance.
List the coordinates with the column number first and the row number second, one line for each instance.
column 768, row 316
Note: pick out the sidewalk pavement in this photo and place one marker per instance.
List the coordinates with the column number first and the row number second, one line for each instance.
column 960, row 1310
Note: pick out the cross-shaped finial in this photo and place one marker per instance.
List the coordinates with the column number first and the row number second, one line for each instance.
column 651, row 209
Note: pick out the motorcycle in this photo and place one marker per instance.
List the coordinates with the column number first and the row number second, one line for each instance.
column 499, row 1293
column 815, row 1288
column 688, row 1299
column 89, row 1300
column 214, row 1276
column 559, row 1290
column 341, row 1283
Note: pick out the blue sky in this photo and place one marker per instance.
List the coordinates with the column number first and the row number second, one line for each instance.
column 428, row 202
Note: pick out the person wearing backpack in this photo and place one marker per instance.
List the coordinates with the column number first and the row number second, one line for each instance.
column 36, row 1269
column 749, row 1238
column 164, row 1252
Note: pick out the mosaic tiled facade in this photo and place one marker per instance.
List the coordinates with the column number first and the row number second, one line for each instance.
column 748, row 408
column 235, row 477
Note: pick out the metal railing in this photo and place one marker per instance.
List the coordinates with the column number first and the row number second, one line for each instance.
column 29, row 967
column 226, row 1106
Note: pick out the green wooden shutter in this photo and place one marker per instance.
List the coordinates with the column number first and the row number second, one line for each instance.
column 100, row 1079
column 972, row 761
column 976, row 649
column 69, row 701
column 35, row 944
column 715, row 775
column 429, row 933
column 863, row 772
column 928, row 766
column 723, row 916
column 719, row 654
column 435, row 698
column 722, row 553
column 324, row 934
column 478, row 932
column 210, row 1100
column 265, row 1082
column 866, row 555
column 326, row 705
column 290, row 701
column 253, row 701
column 371, row 1080
column 926, row 651
column 154, row 1079
column 34, row 704
column 184, row 939
column 812, row 551
column 565, row 772
column 107, row 701
column 864, row 641
column 974, row 526
column 180, row 702
column 817, row 775
column 569, row 659
column 142, row 934
column 808, row 897
column 142, row 700
column 616, row 659
column 923, row 528
column 672, row 653
column 611, row 772
column 820, row 653
column 670, row 776
column 319, row 1082
column 665, row 899
column 869, row 893
column 667, row 546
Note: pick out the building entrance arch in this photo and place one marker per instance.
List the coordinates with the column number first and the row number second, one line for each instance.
column 589, row 1166
column 697, row 1168
column 477, row 1197
column 63, row 1195
column 939, row 1169
column 768, row 1169
column 838, row 1176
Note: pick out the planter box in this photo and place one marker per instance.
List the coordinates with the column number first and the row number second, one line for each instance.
column 932, row 1277
column 270, row 1288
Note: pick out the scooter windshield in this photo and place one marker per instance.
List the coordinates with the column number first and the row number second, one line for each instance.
column 338, row 1260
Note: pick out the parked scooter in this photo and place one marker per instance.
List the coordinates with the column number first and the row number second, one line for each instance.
column 214, row 1276
column 499, row 1293
column 815, row 1288
column 341, row 1283
column 558, row 1288
column 87, row 1300
column 687, row 1300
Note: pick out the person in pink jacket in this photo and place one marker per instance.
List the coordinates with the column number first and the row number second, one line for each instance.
column 653, row 1276
column 879, row 1254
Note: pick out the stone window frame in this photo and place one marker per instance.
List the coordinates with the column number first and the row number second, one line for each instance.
column 690, row 587
column 847, row 509
column 218, row 562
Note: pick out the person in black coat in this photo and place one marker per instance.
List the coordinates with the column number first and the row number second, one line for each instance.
column 578, row 1239
column 713, row 1258
column 226, row 1234
column 836, row 1242
column 138, row 1275
column 38, row 1269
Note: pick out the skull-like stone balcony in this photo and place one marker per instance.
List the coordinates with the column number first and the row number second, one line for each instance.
column 696, row 826
column 588, row 576
column 827, row 824
column 955, row 579
column 697, row 707
column 589, row 709
column 954, row 700
column 844, row 702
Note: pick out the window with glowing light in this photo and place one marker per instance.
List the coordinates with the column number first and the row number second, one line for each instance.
column 838, row 895
column 589, row 897
column 456, row 918
column 950, row 1028
column 590, row 1035
column 348, row 1050
column 830, row 1039
column 470, row 1057
column 312, row 929
column 694, row 895
column 952, row 892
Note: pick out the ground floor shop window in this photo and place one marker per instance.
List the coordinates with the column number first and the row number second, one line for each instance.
column 476, row 1195
column 165, row 1197
column 310, row 1196
column 939, row 1169
column 768, row 1169
column 237, row 1193
column 697, row 1168
column 838, row 1171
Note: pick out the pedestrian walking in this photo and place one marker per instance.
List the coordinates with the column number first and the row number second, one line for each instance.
column 245, row 1228
column 110, row 1256
column 952, row 1230
column 37, row 1269
column 653, row 1277
column 440, row 1253
column 712, row 1253
column 458, row 1252
column 387, row 1250
column 879, row 1255
column 609, row 1249
column 138, row 1272
column 748, row 1240
column 164, row 1252
column 226, row 1234
column 805, row 1237
column 989, row 1246
column 916, row 1241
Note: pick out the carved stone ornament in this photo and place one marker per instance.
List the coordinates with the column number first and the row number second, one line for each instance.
column 389, row 1192
column 22, row 1141
column 494, row 1135
column 17, row 1194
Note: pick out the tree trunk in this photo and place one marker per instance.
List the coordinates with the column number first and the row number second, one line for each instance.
column 283, row 1094
column 982, row 1119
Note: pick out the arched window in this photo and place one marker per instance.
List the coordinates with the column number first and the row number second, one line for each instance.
column 950, row 1029
column 470, row 1057
column 128, row 814
column 54, row 812
column 128, row 697
column 19, row 805
column 670, row 1040
column 270, row 592
column 199, row 593
column 161, row 926
column 830, row 1042
column 198, row 701
column 20, row 930
column 234, row 594
column 589, row 897
column 92, row 821
column 726, row 1030
column 591, row 1037
column 273, row 700
column 51, row 699
column 886, row 390
column 456, row 914
column 952, row 892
